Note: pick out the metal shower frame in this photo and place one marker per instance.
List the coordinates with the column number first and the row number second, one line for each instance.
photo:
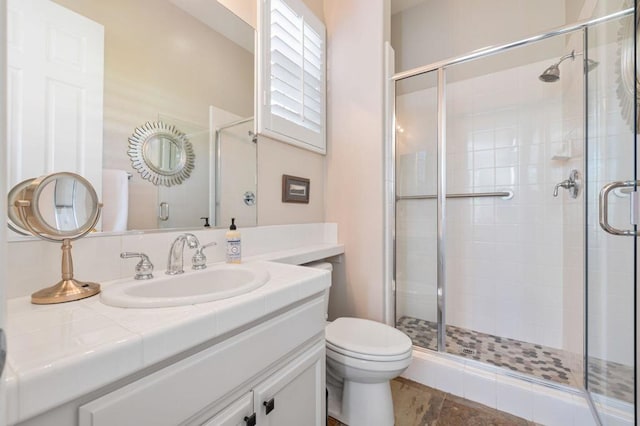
column 391, row 196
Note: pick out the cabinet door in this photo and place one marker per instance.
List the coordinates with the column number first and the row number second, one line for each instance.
column 237, row 414
column 294, row 395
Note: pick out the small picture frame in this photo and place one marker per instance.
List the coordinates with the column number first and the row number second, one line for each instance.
column 295, row 189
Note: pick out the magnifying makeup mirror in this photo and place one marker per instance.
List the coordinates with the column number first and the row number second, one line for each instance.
column 59, row 207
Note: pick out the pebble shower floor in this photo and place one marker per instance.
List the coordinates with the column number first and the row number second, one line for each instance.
column 606, row 378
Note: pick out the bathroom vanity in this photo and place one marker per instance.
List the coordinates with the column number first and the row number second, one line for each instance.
column 253, row 359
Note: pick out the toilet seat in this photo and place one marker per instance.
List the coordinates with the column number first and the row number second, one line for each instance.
column 368, row 357
column 366, row 371
column 367, row 340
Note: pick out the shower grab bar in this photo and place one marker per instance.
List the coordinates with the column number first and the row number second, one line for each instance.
column 505, row 195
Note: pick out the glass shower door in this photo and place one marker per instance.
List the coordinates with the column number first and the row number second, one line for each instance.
column 514, row 262
column 416, row 209
column 611, row 237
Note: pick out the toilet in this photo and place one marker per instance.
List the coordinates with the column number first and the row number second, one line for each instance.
column 362, row 357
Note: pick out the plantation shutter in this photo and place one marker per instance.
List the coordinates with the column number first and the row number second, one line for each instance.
column 294, row 93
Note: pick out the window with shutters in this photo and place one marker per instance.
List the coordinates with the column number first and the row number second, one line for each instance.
column 291, row 93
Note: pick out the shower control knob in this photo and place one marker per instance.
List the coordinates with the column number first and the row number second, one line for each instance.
column 572, row 184
column 249, row 198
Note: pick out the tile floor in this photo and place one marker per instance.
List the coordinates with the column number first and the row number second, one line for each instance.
column 528, row 358
column 418, row 405
column 605, row 377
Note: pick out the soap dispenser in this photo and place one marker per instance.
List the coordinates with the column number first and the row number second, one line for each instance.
column 233, row 243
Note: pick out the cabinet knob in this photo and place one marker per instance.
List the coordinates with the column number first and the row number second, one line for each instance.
column 270, row 405
column 250, row 420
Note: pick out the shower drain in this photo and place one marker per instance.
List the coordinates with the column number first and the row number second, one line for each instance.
column 468, row 351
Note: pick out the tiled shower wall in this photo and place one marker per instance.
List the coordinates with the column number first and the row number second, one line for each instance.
column 515, row 268
column 505, row 131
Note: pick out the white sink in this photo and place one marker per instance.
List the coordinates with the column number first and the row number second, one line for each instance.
column 188, row 288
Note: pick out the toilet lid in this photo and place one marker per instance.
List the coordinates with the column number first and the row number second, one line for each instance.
column 366, row 338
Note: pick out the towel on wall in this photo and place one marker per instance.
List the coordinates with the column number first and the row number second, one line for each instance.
column 115, row 200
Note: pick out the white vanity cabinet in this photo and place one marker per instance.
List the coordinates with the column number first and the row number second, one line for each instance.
column 269, row 374
column 238, row 413
column 292, row 396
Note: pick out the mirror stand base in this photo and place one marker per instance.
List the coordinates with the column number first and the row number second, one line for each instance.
column 65, row 291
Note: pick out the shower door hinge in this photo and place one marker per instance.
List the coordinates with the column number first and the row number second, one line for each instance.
column 634, row 211
column 393, row 262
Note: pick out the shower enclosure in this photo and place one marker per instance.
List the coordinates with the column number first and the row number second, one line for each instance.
column 505, row 250
column 236, row 173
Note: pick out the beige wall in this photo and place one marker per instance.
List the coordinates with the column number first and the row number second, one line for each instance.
column 355, row 153
column 347, row 184
column 437, row 30
column 275, row 159
column 317, row 7
column 247, row 9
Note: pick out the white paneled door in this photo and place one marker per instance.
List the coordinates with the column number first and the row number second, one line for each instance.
column 55, row 91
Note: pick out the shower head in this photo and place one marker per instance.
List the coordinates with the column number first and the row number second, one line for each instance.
column 591, row 65
column 552, row 74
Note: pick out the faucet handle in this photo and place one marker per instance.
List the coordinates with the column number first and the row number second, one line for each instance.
column 144, row 268
column 199, row 260
column 555, row 189
column 572, row 184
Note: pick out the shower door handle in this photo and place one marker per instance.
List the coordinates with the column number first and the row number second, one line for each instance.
column 603, row 211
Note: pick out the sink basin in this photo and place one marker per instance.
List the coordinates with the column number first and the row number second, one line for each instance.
column 191, row 287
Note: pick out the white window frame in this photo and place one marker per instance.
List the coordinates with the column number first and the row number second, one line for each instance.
column 272, row 125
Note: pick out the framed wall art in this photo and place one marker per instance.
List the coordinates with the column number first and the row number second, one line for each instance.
column 295, row 189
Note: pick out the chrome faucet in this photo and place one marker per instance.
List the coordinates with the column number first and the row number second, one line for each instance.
column 175, row 263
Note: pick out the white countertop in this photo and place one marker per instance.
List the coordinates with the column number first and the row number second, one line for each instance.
column 58, row 353
column 298, row 256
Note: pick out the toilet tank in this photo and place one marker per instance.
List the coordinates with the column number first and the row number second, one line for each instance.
column 327, row 267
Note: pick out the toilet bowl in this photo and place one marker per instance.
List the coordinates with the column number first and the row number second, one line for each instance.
column 362, row 357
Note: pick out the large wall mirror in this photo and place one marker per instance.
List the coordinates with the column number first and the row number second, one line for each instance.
column 84, row 74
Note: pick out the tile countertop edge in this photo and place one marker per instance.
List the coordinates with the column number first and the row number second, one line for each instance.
column 301, row 255
column 291, row 257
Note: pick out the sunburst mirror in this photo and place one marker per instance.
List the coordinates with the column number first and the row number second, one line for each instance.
column 161, row 153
